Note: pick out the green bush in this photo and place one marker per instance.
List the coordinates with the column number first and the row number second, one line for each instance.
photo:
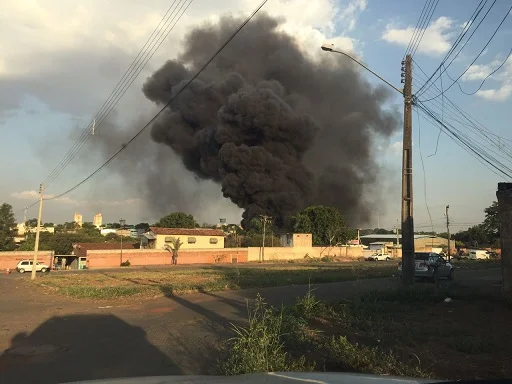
column 259, row 346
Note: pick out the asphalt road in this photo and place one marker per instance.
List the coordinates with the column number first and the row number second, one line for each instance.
column 52, row 339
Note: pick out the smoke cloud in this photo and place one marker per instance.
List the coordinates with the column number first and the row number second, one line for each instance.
column 276, row 130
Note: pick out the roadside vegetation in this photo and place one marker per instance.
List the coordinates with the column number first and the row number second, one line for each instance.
column 406, row 332
column 108, row 285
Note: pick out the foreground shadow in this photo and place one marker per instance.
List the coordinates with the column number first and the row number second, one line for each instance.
column 82, row 347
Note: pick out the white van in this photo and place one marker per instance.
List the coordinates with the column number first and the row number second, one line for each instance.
column 476, row 254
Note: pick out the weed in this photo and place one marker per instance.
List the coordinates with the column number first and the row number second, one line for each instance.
column 125, row 263
column 100, row 292
column 259, row 346
column 341, row 354
column 308, row 305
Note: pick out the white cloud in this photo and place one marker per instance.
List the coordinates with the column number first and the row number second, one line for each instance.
column 435, row 41
column 53, row 48
column 502, row 79
column 351, row 11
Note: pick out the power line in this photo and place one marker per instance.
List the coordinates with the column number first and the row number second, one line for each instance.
column 416, row 29
column 425, row 26
column 467, row 144
column 484, row 80
column 479, row 53
column 461, row 36
column 185, row 86
column 424, row 173
column 452, row 111
column 152, row 44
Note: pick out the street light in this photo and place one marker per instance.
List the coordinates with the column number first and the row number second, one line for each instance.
column 407, row 195
column 123, row 223
column 330, row 48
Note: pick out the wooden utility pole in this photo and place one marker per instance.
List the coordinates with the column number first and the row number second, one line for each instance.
column 504, row 195
column 407, row 201
column 38, row 230
column 448, row 231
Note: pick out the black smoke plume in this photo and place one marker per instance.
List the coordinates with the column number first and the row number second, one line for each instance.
column 275, row 129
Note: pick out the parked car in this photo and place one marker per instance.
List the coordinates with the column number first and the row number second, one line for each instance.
column 26, row 265
column 379, row 257
column 430, row 265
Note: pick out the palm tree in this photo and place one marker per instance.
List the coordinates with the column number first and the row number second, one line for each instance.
column 174, row 248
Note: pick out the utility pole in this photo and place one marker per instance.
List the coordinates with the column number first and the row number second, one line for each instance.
column 448, row 231
column 504, row 195
column 36, row 247
column 122, row 222
column 407, row 201
column 264, row 218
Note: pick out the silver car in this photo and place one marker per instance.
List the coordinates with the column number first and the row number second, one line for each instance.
column 430, row 265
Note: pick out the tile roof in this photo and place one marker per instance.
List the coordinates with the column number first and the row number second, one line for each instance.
column 187, row 231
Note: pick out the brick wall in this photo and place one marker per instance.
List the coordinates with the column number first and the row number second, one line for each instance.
column 9, row 260
column 112, row 258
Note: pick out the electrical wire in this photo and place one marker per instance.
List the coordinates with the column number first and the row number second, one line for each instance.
column 484, row 80
column 185, row 86
column 424, row 173
column 479, row 53
column 488, row 160
column 416, row 29
column 461, row 36
column 453, row 111
column 425, row 26
column 152, row 44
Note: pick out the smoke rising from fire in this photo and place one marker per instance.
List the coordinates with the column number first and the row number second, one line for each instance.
column 275, row 130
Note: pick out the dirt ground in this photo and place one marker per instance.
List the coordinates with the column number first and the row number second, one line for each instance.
column 48, row 338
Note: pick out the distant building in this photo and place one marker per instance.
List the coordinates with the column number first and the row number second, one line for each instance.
column 78, row 219
column 421, row 242
column 23, row 229
column 106, row 231
column 97, row 220
column 297, row 240
column 159, row 238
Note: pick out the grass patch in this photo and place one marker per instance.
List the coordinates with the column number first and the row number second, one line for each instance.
column 404, row 332
column 115, row 284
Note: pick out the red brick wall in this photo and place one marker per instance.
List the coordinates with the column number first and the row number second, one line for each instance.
column 112, row 258
column 11, row 259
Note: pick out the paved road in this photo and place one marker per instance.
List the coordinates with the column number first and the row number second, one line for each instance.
column 49, row 339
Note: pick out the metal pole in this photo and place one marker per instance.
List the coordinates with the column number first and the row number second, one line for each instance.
column 448, row 231
column 36, row 247
column 407, row 196
column 121, row 249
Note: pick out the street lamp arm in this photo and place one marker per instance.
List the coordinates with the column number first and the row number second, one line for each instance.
column 328, row 48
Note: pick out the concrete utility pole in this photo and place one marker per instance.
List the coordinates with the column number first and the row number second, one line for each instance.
column 448, row 231
column 264, row 218
column 504, row 195
column 407, row 201
column 38, row 229
column 122, row 222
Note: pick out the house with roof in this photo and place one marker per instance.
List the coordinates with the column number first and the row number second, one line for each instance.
column 198, row 238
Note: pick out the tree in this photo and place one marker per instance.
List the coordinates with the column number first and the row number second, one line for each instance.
column 48, row 225
column 177, row 220
column 174, row 248
column 491, row 224
column 7, row 228
column 326, row 225
column 31, row 223
column 144, row 226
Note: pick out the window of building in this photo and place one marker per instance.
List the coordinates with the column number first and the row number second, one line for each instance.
column 213, row 240
column 169, row 239
column 191, row 240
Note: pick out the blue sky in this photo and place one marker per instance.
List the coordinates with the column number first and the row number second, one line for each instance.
column 67, row 59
